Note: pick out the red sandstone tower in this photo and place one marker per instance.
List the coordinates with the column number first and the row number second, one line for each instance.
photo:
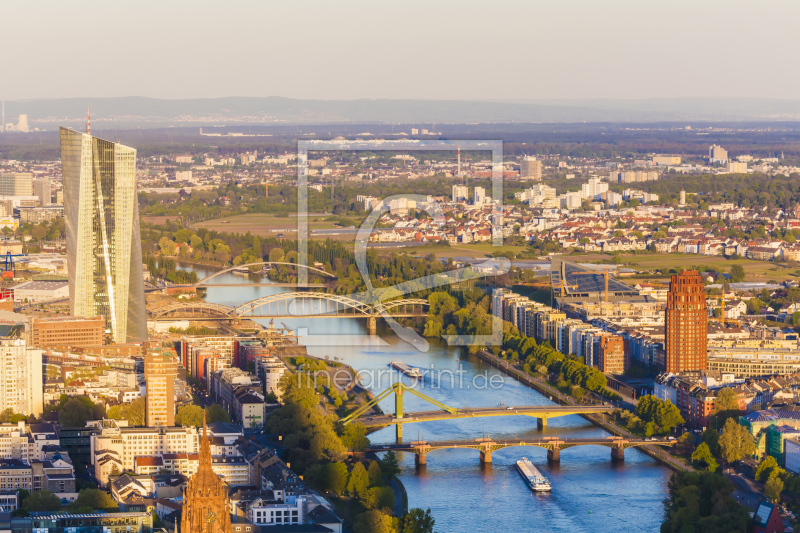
column 686, row 323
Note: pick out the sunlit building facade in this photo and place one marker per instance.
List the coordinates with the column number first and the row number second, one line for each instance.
column 104, row 254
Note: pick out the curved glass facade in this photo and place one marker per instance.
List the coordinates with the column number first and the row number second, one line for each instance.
column 104, row 254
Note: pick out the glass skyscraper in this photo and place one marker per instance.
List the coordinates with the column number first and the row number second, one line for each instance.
column 104, row 251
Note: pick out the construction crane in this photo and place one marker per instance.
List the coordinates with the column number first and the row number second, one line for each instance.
column 9, row 271
column 605, row 273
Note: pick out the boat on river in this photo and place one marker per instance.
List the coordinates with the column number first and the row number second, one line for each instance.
column 534, row 479
column 405, row 369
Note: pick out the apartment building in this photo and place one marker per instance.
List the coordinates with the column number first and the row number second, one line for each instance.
column 117, row 446
column 21, row 377
column 160, row 371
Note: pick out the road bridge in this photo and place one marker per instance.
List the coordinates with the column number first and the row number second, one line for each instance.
column 296, row 304
column 553, row 445
column 400, row 417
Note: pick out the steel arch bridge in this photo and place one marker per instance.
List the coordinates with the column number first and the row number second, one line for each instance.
column 265, row 263
column 191, row 310
column 343, row 306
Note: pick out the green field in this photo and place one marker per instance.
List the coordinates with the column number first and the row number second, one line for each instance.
column 263, row 224
column 756, row 270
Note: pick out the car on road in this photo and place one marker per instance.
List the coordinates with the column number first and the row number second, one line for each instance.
column 509, row 408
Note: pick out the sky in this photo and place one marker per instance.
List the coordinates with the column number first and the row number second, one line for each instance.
column 431, row 49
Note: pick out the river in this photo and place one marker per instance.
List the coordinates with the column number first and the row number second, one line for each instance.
column 590, row 493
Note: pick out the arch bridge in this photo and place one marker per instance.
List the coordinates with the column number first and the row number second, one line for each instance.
column 264, row 264
column 290, row 305
column 553, row 445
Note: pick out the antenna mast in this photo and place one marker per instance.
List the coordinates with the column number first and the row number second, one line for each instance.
column 88, row 121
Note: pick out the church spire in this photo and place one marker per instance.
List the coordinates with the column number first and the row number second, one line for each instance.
column 205, row 445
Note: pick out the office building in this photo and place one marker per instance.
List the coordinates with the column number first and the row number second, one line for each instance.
column 16, row 184
column 612, row 355
column 717, row 154
column 104, row 255
column 43, row 190
column 593, row 188
column 160, row 371
column 21, row 378
column 686, row 323
column 736, row 167
column 66, row 332
column 479, row 196
column 58, row 522
column 530, row 168
column 35, row 215
column 667, row 160
column 460, row 193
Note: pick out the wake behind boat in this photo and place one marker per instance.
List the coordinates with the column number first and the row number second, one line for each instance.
column 535, row 480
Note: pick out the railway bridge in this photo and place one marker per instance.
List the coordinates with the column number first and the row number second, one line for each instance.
column 298, row 304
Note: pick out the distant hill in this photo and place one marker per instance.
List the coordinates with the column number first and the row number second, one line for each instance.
column 148, row 112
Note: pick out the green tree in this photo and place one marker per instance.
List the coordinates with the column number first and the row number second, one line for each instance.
column 358, row 482
column 336, row 476
column 41, row 501
column 132, row 412
column 711, row 438
column 10, row 417
column 736, row 442
column 375, row 474
column 189, row 415
column 76, row 411
column 766, row 468
column 702, row 502
column 726, row 405
column 374, row 522
column 91, row 500
column 379, row 498
column 389, row 465
column 737, row 273
column 773, row 488
column 703, row 455
column 276, row 255
column 418, row 521
column 216, row 413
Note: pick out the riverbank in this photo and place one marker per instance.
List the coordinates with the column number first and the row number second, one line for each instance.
column 555, row 395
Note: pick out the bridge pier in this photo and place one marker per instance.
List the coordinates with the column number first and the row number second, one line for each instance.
column 617, row 453
column 541, row 422
column 486, row 456
column 420, row 458
column 554, row 455
column 398, row 428
column 372, row 325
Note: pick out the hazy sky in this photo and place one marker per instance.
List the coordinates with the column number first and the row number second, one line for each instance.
column 437, row 49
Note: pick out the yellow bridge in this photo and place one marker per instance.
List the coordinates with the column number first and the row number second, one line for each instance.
column 400, row 417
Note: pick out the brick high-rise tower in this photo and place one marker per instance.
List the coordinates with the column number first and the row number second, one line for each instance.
column 686, row 323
